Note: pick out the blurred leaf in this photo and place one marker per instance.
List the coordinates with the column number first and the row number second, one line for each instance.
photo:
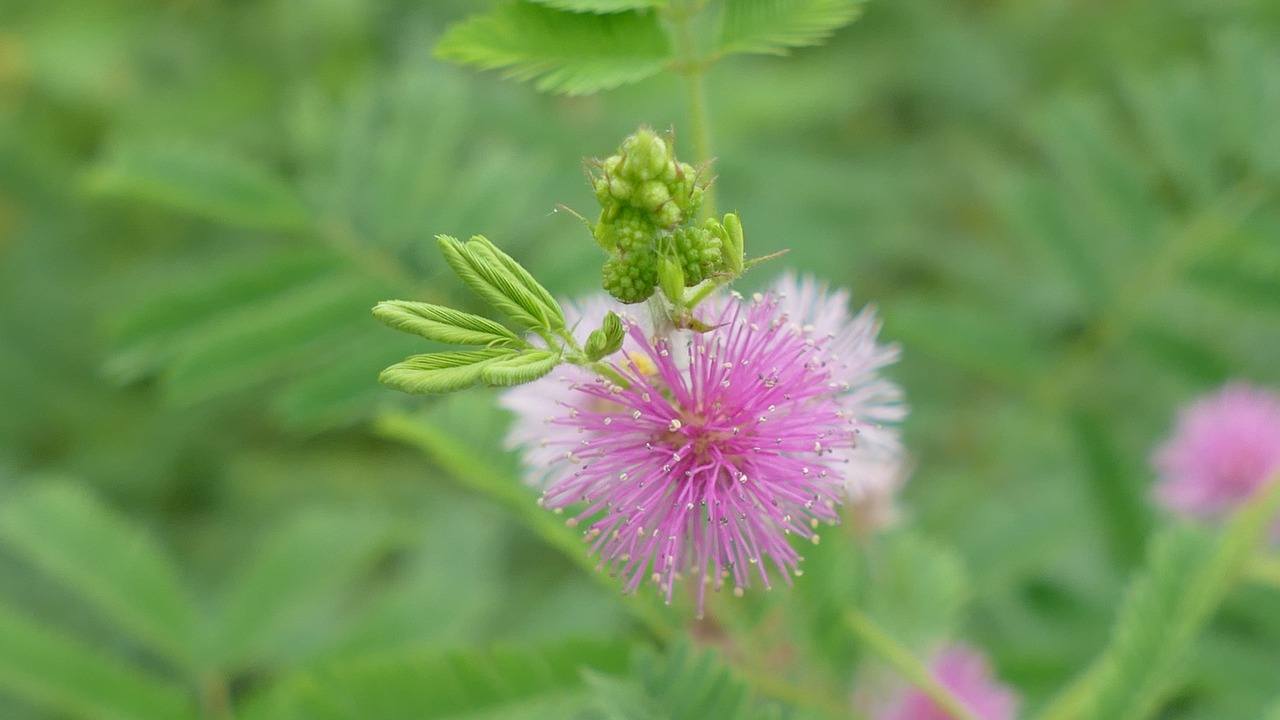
column 59, row 673
column 984, row 341
column 575, row 54
column 600, row 6
column 917, row 590
column 1120, row 505
column 254, row 343
column 1179, row 127
column 299, row 569
column 213, row 183
column 1193, row 358
column 1188, row 575
column 115, row 566
column 1247, row 287
column 172, row 310
column 774, row 26
column 689, row 684
column 526, row 682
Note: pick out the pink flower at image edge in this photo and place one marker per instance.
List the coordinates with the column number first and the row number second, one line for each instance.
column 1224, row 448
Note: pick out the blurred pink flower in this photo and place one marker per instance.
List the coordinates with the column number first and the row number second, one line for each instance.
column 1224, row 448
column 967, row 675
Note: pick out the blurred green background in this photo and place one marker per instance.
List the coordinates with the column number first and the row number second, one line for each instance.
column 1067, row 213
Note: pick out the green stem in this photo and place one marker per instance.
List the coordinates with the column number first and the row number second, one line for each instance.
column 215, row 697
column 907, row 664
column 475, row 474
column 692, row 70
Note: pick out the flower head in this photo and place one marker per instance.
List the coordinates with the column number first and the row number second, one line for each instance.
column 1224, row 448
column 719, row 446
column 966, row 674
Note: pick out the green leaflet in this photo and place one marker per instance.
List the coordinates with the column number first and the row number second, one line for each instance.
column 563, row 52
column 93, row 552
column 442, row 324
column 523, row 368
column 209, row 182
column 57, row 672
column 494, row 283
column 773, row 27
column 442, row 372
column 481, row 246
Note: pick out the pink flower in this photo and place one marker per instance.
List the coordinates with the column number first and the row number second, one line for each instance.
column 966, row 674
column 723, row 443
column 1224, row 448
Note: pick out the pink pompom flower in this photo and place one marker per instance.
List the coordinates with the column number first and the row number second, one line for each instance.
column 720, row 445
column 1224, row 449
column 965, row 673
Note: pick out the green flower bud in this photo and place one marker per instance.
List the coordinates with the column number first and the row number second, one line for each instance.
column 607, row 340
column 631, row 278
column 620, row 189
column 645, row 155
column 652, row 195
column 699, row 251
column 668, row 216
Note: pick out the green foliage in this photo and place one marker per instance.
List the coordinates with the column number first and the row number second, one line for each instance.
column 916, row 590
column 209, row 182
column 600, row 6
column 564, row 52
column 773, row 27
column 115, row 567
column 1067, row 216
column 683, row 684
column 296, row 572
column 504, row 682
column 59, row 673
column 1187, row 577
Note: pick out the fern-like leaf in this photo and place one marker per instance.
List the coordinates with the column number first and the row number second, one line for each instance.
column 539, row 681
column 1186, row 580
column 210, row 183
column 685, row 684
column 773, row 27
column 57, row 672
column 563, row 52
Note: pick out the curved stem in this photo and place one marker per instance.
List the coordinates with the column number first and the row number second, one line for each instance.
column 907, row 664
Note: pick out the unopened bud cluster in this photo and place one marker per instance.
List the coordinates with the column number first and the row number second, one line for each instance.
column 649, row 202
